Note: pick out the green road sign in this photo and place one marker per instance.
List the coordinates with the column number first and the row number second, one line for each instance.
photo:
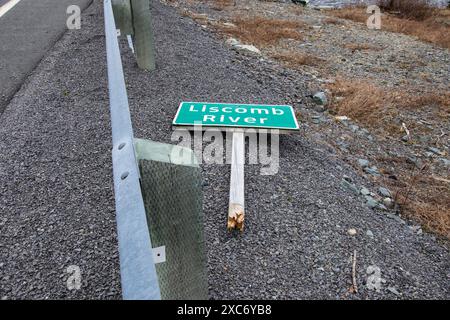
column 236, row 115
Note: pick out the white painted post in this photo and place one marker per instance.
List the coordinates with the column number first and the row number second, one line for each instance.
column 236, row 211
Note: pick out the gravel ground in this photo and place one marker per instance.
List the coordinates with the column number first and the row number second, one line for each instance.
column 56, row 199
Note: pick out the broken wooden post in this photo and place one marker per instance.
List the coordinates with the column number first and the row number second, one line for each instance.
column 236, row 210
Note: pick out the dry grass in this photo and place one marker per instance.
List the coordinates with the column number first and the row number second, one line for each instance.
column 409, row 9
column 294, row 59
column 433, row 28
column 262, row 31
column 333, row 20
column 421, row 195
column 220, row 5
column 198, row 17
column 380, row 109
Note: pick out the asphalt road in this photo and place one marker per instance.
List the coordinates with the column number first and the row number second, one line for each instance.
column 28, row 31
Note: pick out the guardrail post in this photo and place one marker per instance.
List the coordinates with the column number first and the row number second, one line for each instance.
column 143, row 34
column 172, row 191
column 123, row 17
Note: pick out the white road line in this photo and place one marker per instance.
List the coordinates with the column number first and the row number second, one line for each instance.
column 8, row 6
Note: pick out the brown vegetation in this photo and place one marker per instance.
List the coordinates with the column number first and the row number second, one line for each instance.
column 261, row 31
column 295, row 58
column 422, row 196
column 431, row 26
column 360, row 46
column 222, row 4
column 383, row 109
column 409, row 9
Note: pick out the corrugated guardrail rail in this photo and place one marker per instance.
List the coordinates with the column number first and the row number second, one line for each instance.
column 138, row 273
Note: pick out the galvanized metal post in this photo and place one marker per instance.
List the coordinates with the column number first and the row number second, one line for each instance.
column 143, row 34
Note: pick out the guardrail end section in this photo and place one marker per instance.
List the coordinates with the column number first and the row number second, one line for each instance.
column 172, row 190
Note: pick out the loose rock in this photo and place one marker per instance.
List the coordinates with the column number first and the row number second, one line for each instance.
column 248, row 48
column 388, row 202
column 371, row 202
column 363, row 163
column 320, row 98
column 384, row 192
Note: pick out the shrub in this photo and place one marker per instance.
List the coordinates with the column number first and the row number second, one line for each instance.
column 410, row 9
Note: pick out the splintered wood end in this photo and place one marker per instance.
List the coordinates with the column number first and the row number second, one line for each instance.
column 236, row 217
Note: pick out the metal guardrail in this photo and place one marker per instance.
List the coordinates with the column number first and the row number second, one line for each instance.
column 138, row 273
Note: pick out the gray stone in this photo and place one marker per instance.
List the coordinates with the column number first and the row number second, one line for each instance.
column 248, row 48
column 371, row 202
column 416, row 229
column 363, row 163
column 320, row 98
column 388, row 202
column 316, row 119
column 394, row 291
column 446, row 162
column 384, row 192
column 413, row 160
column 232, row 42
column 365, row 191
column 365, row 131
column 336, row 269
column 350, row 186
column 436, row 151
column 354, row 127
column 372, row 170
